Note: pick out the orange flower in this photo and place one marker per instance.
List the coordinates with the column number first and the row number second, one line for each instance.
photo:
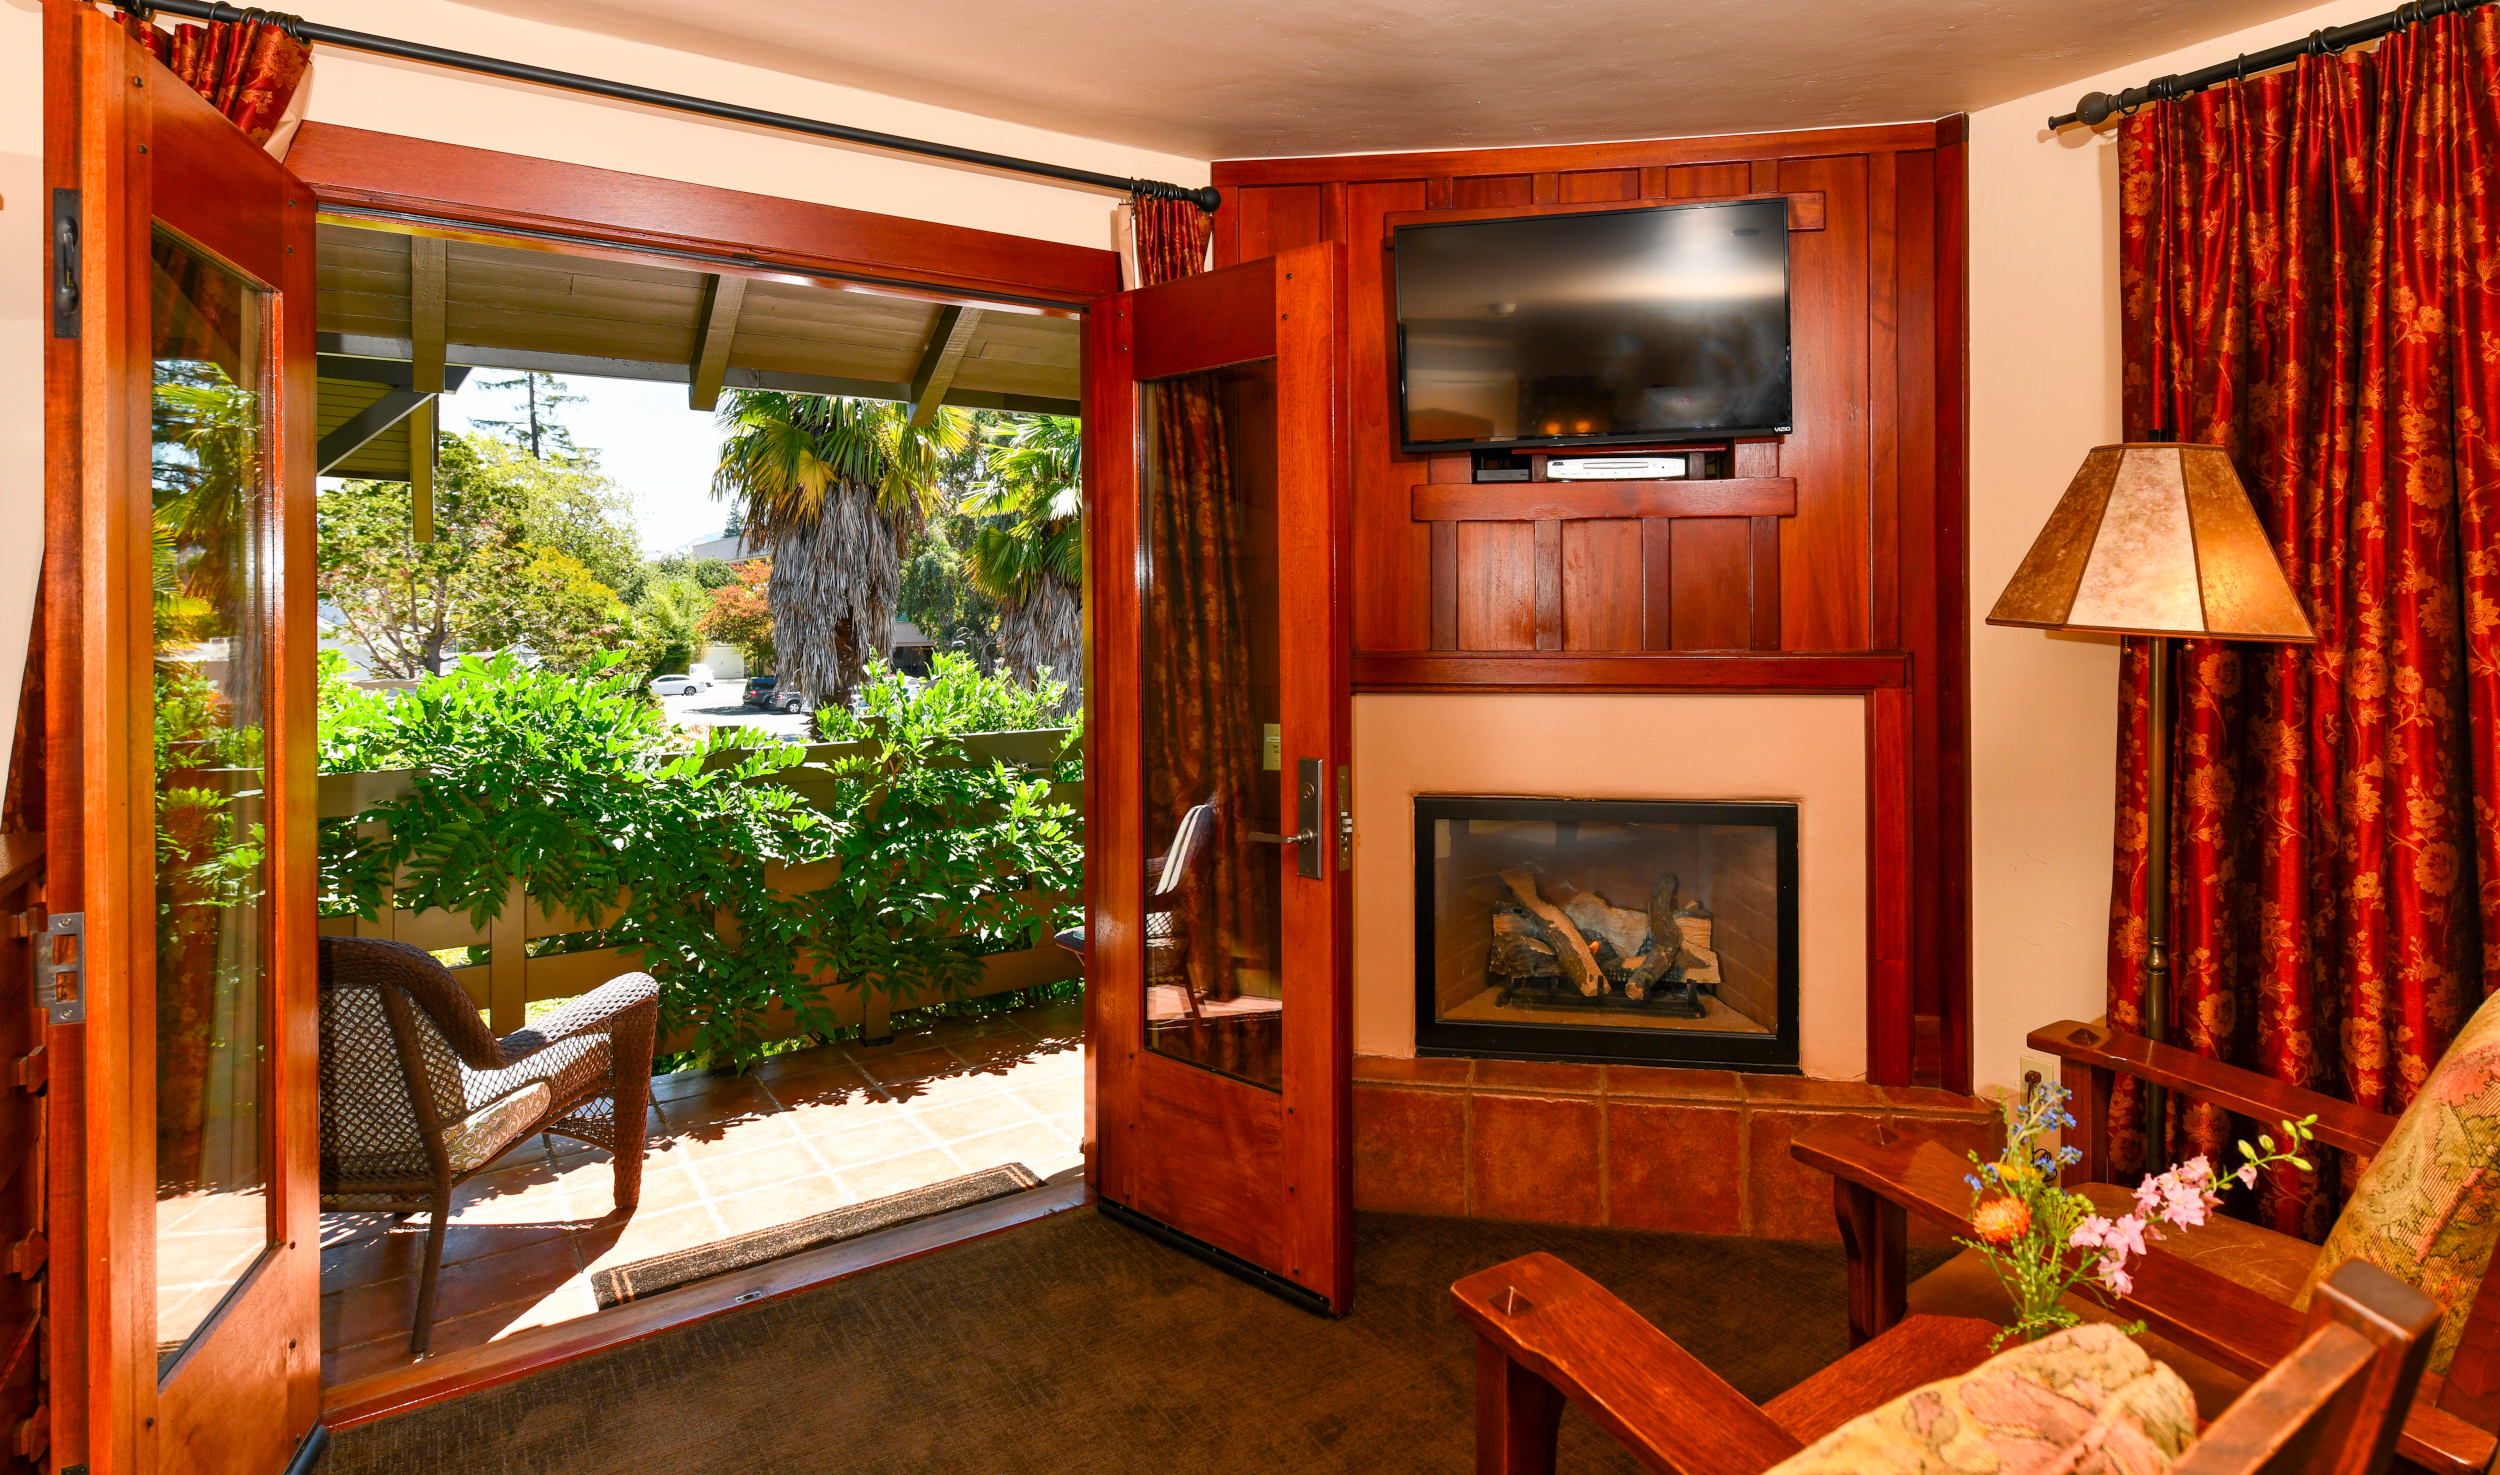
column 2001, row 1220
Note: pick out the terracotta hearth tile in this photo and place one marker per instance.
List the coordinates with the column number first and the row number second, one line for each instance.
column 1673, row 1167
column 1539, row 1075
column 1410, row 1151
column 1673, row 1084
column 1422, row 1070
column 1534, row 1158
column 1790, row 1200
column 1812, row 1094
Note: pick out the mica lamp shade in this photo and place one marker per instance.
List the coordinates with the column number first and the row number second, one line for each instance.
column 2155, row 539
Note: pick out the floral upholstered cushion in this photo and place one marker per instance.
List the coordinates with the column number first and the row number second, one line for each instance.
column 2086, row 1401
column 2427, row 1209
column 475, row 1139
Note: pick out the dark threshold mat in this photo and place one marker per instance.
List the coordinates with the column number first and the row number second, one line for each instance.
column 618, row 1284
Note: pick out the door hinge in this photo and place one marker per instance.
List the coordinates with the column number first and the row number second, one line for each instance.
column 31, row 1071
column 28, row 1254
column 1345, row 818
column 65, row 294
column 70, row 927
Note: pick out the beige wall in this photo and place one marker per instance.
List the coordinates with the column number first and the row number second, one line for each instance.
column 390, row 96
column 1806, row 750
column 2044, row 389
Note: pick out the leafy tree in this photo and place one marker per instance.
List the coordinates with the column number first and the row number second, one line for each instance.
column 835, row 489
column 668, row 622
column 536, row 429
column 481, row 582
column 1028, row 552
column 741, row 615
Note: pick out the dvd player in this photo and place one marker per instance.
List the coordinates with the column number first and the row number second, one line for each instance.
column 1613, row 468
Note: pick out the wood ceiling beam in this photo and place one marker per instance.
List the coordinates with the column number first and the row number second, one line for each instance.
column 949, row 338
column 715, row 328
column 429, row 314
column 351, row 437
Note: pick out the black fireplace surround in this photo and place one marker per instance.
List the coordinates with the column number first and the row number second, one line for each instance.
column 1611, row 930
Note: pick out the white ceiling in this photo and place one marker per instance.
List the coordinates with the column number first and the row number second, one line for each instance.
column 1230, row 80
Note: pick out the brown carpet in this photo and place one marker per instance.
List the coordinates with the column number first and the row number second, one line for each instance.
column 1076, row 1345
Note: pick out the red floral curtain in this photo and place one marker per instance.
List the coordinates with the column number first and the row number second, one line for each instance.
column 1172, row 238
column 247, row 69
column 2311, row 274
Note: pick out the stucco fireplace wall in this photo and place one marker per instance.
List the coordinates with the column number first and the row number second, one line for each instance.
column 1809, row 750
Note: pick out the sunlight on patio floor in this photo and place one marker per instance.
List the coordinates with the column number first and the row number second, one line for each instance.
column 802, row 1133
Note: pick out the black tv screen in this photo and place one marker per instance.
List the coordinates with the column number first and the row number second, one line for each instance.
column 1657, row 324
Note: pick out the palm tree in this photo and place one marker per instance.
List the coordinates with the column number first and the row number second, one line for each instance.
column 834, row 489
column 1030, row 556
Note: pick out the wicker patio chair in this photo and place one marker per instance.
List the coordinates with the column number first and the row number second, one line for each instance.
column 417, row 1096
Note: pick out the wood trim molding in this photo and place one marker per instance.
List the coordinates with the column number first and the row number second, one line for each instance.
column 1805, row 208
column 1582, row 501
column 1550, row 158
column 357, row 173
column 1803, row 672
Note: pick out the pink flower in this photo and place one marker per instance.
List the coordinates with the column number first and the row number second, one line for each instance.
column 2113, row 1273
column 2247, row 1174
column 2090, row 1234
column 2124, row 1237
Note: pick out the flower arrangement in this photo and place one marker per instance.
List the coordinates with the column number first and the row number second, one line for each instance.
column 2043, row 1241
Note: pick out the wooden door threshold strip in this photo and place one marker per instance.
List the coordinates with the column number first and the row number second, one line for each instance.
column 539, row 1348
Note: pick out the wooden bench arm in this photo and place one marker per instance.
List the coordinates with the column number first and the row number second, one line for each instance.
column 2098, row 1047
column 1546, row 1333
column 2219, row 1320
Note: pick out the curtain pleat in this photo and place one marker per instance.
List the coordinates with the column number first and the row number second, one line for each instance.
column 2310, row 266
column 248, row 70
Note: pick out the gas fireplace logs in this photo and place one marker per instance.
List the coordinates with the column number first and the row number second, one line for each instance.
column 1662, row 956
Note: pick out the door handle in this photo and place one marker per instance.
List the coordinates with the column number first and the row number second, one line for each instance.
column 1310, row 857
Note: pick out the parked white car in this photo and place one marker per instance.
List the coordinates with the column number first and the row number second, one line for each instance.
column 678, row 686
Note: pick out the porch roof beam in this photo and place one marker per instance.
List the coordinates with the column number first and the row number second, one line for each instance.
column 949, row 338
column 715, row 328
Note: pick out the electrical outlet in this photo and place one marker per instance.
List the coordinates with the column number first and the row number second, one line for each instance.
column 2036, row 1069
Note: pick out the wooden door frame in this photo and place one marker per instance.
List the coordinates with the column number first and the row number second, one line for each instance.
column 1237, row 325
column 106, row 1392
column 429, row 188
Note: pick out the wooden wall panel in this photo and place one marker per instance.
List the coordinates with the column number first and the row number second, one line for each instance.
column 1474, row 192
column 1712, row 598
column 1601, row 585
column 1392, row 601
column 1496, row 586
column 1704, row 181
column 1276, row 217
column 1580, row 186
column 1823, row 549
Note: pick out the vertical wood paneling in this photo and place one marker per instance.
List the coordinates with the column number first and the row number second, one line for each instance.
column 1712, row 583
column 1277, row 217
column 1765, row 538
column 1392, row 596
column 1601, row 585
column 1475, row 191
column 1582, row 186
column 1890, row 859
column 1823, row 549
column 1766, row 176
column 1496, row 586
column 1883, row 400
column 1444, row 586
column 1549, row 558
column 1703, row 181
column 1657, row 583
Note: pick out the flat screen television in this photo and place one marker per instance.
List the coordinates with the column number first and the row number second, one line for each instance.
column 1659, row 324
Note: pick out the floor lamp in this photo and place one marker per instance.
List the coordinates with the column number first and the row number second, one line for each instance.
column 2156, row 539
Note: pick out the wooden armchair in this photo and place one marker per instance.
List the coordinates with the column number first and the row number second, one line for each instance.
column 2220, row 1301
column 1547, row 1335
column 417, row 1096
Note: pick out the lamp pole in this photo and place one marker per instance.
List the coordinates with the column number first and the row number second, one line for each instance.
column 2157, row 890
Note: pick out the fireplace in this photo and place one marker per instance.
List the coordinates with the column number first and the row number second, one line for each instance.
column 1651, row 933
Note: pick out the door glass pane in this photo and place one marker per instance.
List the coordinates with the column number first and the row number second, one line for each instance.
column 1214, row 749
column 209, row 492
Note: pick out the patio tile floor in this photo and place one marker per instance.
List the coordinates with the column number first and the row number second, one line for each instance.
column 802, row 1133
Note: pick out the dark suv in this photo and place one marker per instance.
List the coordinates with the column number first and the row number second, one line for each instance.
column 765, row 691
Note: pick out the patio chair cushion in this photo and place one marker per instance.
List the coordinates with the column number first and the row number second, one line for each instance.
column 2427, row 1209
column 2086, row 1400
column 476, row 1139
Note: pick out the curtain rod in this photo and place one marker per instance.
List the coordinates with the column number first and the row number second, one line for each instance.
column 308, row 31
column 2094, row 108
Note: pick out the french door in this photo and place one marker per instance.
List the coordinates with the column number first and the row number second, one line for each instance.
column 1219, row 1044
column 179, row 626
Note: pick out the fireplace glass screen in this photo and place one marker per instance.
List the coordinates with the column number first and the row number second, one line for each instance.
column 1607, row 930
